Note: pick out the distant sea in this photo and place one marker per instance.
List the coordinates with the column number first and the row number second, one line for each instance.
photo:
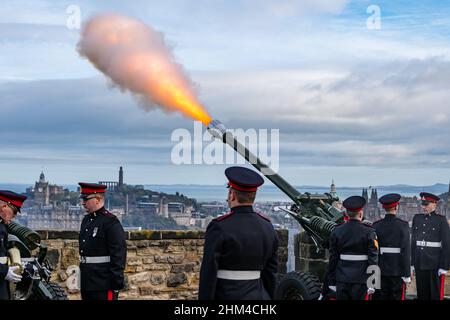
column 272, row 193
column 267, row 192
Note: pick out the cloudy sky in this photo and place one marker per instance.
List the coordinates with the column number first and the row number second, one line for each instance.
column 361, row 105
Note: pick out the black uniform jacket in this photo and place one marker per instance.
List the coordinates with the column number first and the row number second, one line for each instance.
column 241, row 240
column 102, row 234
column 352, row 238
column 432, row 228
column 393, row 234
column 4, row 292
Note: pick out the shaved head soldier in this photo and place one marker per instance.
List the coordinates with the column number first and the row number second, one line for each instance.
column 102, row 247
column 240, row 255
column 394, row 259
column 10, row 204
column 430, row 249
column 353, row 248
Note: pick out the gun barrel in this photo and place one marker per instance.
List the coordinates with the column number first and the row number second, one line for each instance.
column 218, row 130
column 30, row 238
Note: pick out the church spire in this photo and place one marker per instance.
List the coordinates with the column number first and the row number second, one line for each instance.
column 42, row 177
column 332, row 187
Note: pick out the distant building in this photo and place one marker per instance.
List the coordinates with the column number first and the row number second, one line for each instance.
column 113, row 186
column 372, row 210
column 120, row 177
column 175, row 208
column 55, row 218
column 202, row 223
column 43, row 191
column 409, row 206
column 365, row 195
column 183, row 219
column 148, row 207
column 333, row 189
column 110, row 185
column 213, row 209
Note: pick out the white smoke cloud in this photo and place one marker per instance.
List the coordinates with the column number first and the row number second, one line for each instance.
column 136, row 58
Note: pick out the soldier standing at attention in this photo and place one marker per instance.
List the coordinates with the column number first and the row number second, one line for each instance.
column 394, row 259
column 240, row 259
column 102, row 247
column 430, row 249
column 10, row 204
column 353, row 248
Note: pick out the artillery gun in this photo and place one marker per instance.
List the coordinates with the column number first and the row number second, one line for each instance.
column 35, row 269
column 314, row 212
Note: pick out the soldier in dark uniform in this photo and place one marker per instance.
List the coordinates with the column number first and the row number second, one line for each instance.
column 102, row 247
column 394, row 257
column 353, row 248
column 327, row 292
column 10, row 204
column 240, row 259
column 430, row 249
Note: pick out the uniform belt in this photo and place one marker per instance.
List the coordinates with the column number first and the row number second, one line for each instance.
column 354, row 257
column 429, row 244
column 4, row 260
column 389, row 250
column 239, row 274
column 102, row 259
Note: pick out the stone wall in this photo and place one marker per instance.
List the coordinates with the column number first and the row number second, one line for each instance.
column 308, row 259
column 160, row 264
column 306, row 256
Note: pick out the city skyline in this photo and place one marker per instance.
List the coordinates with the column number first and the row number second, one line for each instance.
column 361, row 106
column 118, row 178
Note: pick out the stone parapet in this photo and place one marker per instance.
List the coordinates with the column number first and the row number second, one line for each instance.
column 161, row 265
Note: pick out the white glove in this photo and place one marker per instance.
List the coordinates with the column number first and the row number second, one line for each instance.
column 12, row 276
column 332, row 288
column 441, row 272
column 406, row 279
column 412, row 269
column 370, row 290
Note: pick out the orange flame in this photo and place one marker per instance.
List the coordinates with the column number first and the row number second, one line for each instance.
column 136, row 58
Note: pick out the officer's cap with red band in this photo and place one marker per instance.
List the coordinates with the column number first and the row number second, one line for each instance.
column 390, row 200
column 12, row 198
column 243, row 179
column 354, row 203
column 87, row 189
column 429, row 197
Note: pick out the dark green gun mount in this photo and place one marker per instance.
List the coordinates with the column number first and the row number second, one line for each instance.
column 314, row 212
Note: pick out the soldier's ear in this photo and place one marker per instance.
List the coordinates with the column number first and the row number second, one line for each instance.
column 232, row 195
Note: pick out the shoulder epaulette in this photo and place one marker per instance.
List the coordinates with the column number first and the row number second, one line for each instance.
column 221, row 218
column 263, row 216
column 106, row 213
column 367, row 223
